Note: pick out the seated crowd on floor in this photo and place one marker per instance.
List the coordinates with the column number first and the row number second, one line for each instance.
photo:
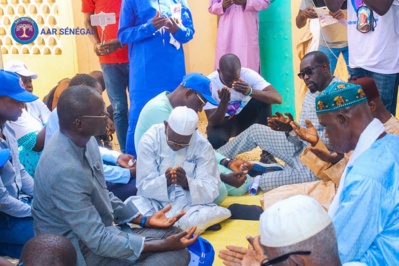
column 70, row 196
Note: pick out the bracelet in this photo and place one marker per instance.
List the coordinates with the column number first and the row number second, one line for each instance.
column 143, row 221
column 225, row 162
column 250, row 92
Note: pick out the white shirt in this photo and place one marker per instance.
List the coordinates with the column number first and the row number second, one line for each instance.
column 378, row 50
column 237, row 100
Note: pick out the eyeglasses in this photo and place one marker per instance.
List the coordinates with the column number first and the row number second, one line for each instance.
column 283, row 258
column 202, row 101
column 173, row 143
column 103, row 115
column 308, row 71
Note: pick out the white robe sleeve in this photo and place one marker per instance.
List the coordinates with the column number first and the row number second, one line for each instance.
column 149, row 181
column 204, row 179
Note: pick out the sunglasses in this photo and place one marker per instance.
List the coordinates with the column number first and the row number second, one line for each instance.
column 283, row 258
column 173, row 143
column 308, row 71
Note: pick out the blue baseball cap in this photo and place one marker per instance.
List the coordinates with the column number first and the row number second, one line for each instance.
column 11, row 86
column 200, row 84
column 4, row 156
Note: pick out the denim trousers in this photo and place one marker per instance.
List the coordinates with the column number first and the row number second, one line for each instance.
column 333, row 55
column 14, row 233
column 116, row 78
column 387, row 85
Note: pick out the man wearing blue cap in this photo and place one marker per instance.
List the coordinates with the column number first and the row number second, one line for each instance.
column 16, row 185
column 193, row 92
column 365, row 209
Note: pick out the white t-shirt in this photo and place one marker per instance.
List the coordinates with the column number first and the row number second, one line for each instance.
column 26, row 124
column 378, row 50
column 38, row 110
column 237, row 100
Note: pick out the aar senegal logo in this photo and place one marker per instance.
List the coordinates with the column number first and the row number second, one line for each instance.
column 24, row 30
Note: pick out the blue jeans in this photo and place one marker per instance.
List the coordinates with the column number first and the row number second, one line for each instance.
column 116, row 78
column 334, row 54
column 387, row 85
column 14, row 233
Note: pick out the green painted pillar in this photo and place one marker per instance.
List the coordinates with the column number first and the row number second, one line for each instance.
column 275, row 40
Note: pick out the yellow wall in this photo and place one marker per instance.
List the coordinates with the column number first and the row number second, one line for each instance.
column 200, row 52
column 52, row 68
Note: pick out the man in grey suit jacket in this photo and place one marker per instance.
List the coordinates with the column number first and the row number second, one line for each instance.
column 71, row 197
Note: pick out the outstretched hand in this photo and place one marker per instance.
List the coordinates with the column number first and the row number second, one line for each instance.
column 182, row 239
column 327, row 156
column 240, row 256
column 280, row 122
column 308, row 134
column 159, row 219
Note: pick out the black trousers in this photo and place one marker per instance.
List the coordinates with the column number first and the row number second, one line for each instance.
column 255, row 112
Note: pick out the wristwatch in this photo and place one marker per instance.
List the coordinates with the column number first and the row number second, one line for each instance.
column 225, row 162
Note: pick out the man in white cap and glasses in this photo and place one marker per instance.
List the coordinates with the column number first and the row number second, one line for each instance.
column 176, row 165
column 294, row 231
column 16, row 185
column 194, row 92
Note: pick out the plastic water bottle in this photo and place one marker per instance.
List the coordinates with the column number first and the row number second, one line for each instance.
column 253, row 188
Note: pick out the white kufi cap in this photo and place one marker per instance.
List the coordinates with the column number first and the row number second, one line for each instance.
column 183, row 121
column 20, row 68
column 291, row 221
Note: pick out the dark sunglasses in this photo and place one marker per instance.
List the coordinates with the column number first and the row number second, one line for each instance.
column 308, row 71
column 282, row 258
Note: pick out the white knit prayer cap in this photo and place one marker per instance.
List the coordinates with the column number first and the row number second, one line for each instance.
column 291, row 221
column 183, row 120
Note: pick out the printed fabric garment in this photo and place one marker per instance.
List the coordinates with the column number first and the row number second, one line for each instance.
column 156, row 56
column 237, row 100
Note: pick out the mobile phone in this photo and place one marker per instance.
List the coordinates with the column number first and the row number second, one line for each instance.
column 102, row 19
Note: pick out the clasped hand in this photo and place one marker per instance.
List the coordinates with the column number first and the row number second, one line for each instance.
column 176, row 176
